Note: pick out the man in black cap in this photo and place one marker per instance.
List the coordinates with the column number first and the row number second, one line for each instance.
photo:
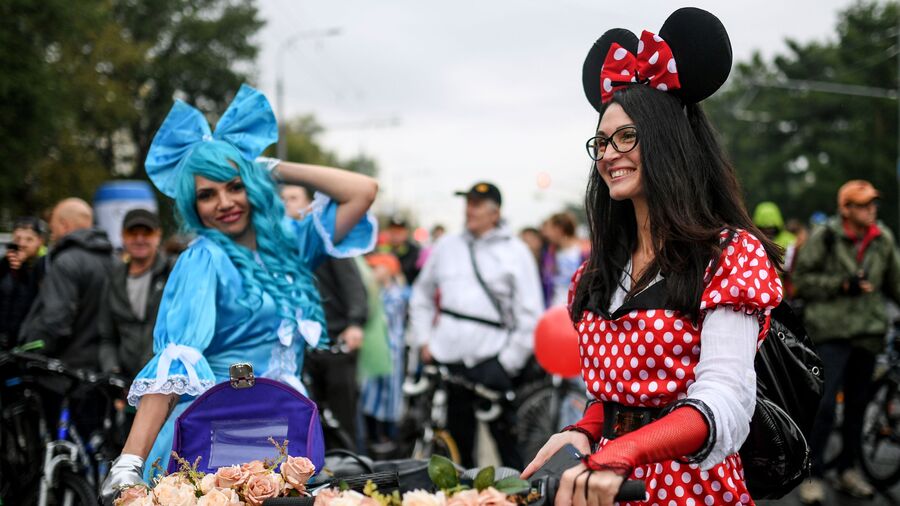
column 404, row 248
column 482, row 322
column 131, row 296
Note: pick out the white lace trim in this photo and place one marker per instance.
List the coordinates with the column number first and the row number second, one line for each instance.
column 175, row 384
column 320, row 202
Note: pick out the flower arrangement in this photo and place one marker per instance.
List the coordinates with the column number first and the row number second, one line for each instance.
column 248, row 484
column 484, row 491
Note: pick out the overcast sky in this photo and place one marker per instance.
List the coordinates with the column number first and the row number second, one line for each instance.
column 443, row 94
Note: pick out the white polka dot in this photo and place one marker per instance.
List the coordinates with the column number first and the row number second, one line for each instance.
column 734, row 291
column 678, row 324
column 668, row 479
column 679, row 373
column 596, row 362
column 596, row 386
column 625, row 72
column 698, row 488
column 620, row 387
column 643, row 374
column 639, row 472
column 658, row 324
column 626, row 374
column 669, row 362
column 601, row 350
column 653, row 58
column 591, row 374
column 672, row 386
column 621, row 337
column 651, row 313
column 633, row 362
column 590, row 349
column 586, row 362
column 657, row 38
column 662, row 86
column 668, row 337
column 686, row 477
column 661, row 493
column 651, row 362
column 627, row 325
column 640, row 48
column 677, row 349
column 596, row 338
column 679, row 491
column 728, row 496
column 641, row 350
column 751, row 292
column 671, row 66
column 716, row 486
column 620, row 53
column 688, row 337
column 764, row 297
column 685, row 361
column 658, row 349
column 620, row 362
column 602, row 325
column 612, row 374
column 690, row 502
column 652, row 386
column 602, row 374
column 675, row 466
column 607, row 85
column 745, row 498
column 635, row 387
column 641, row 324
column 661, row 374
column 614, row 350
column 613, row 326
column 627, row 349
column 634, row 337
column 708, row 500
column 648, row 337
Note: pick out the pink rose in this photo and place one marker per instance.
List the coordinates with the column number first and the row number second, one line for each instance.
column 179, row 494
column 296, row 471
column 349, row 498
column 324, row 497
column 172, row 479
column 220, row 497
column 493, row 497
column 464, row 498
column 130, row 496
column 255, row 467
column 423, row 498
column 261, row 487
column 231, row 477
column 207, row 483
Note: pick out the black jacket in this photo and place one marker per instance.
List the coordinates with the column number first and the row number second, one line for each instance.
column 18, row 289
column 64, row 315
column 126, row 342
column 343, row 295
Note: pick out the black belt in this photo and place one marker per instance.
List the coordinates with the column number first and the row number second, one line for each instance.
column 619, row 420
column 473, row 318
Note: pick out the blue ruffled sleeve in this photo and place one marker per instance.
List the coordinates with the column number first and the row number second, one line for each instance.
column 315, row 233
column 184, row 328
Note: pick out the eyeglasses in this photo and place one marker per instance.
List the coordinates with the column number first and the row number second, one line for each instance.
column 623, row 140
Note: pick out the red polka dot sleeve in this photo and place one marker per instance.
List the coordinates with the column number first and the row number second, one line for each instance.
column 744, row 278
column 574, row 285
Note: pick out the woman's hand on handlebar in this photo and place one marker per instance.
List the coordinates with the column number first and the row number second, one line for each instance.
column 557, row 441
column 602, row 487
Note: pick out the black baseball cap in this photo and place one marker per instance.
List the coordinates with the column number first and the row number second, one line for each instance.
column 140, row 218
column 483, row 190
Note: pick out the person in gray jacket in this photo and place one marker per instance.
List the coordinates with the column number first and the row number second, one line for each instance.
column 64, row 315
column 131, row 296
column 474, row 307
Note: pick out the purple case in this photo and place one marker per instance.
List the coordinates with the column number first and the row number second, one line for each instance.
column 227, row 426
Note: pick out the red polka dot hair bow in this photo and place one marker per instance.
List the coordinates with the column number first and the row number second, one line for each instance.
column 653, row 65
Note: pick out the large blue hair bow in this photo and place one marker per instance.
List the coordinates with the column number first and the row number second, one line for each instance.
column 248, row 124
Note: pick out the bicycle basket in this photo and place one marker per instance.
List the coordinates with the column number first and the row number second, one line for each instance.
column 230, row 425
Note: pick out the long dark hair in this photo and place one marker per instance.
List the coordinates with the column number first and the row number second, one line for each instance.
column 692, row 195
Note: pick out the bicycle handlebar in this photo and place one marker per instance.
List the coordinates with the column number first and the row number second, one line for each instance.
column 55, row 366
column 630, row 490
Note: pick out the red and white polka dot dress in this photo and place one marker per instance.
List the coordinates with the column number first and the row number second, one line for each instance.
column 646, row 358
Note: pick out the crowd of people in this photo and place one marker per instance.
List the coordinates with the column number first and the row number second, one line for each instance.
column 669, row 284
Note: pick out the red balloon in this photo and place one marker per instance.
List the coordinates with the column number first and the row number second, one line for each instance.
column 556, row 343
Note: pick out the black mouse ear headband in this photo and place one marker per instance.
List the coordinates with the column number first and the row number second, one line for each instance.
column 690, row 58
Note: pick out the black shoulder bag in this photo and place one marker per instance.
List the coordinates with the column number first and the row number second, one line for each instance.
column 789, row 385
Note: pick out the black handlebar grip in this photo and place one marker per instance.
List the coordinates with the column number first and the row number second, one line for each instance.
column 630, row 490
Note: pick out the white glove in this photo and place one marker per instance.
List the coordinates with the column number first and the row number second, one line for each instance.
column 126, row 470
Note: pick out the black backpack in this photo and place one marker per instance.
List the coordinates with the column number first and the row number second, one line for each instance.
column 789, row 383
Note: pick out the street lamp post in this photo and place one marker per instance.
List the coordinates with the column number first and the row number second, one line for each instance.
column 281, row 150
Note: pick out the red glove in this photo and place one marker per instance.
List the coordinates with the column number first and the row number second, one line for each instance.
column 682, row 432
column 591, row 424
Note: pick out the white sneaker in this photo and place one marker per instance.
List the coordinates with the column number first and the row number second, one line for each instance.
column 851, row 482
column 812, row 491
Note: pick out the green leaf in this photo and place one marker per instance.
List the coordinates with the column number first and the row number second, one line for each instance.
column 484, row 479
column 442, row 472
column 343, row 486
column 512, row 485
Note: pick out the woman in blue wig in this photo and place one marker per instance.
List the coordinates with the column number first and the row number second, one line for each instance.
column 243, row 290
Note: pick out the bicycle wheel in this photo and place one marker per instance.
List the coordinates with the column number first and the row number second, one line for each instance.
column 70, row 489
column 442, row 443
column 536, row 423
column 880, row 451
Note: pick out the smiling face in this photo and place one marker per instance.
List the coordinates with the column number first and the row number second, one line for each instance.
column 620, row 171
column 223, row 206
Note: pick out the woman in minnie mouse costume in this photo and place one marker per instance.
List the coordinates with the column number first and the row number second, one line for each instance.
column 675, row 298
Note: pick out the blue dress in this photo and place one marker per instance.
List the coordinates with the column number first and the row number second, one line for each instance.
column 202, row 329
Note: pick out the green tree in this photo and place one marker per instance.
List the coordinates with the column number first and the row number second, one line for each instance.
column 84, row 85
column 797, row 147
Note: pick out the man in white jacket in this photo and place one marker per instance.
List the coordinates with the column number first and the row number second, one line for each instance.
column 474, row 307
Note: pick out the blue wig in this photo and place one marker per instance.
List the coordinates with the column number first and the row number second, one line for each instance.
column 283, row 275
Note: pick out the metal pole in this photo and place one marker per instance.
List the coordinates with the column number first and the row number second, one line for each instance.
column 281, row 149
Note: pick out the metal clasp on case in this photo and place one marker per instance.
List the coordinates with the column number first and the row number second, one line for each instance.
column 241, row 375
